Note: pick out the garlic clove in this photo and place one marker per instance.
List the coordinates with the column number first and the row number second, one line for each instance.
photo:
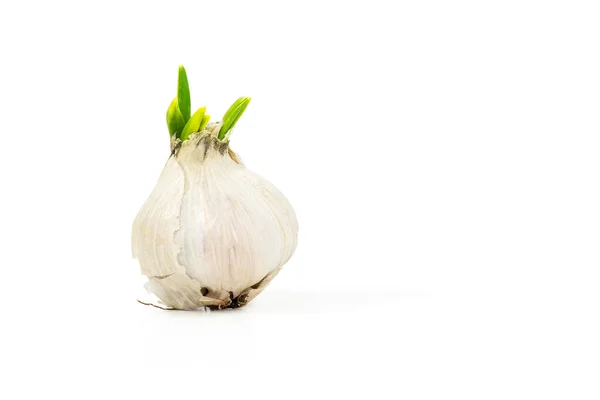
column 233, row 232
column 155, row 225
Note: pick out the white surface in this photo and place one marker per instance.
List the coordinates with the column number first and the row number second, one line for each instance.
column 442, row 158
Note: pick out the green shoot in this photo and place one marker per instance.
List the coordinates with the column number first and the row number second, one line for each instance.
column 175, row 121
column 182, row 124
column 204, row 122
column 194, row 124
column 232, row 108
column 232, row 115
column 183, row 94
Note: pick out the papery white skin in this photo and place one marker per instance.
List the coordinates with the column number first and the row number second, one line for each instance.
column 212, row 233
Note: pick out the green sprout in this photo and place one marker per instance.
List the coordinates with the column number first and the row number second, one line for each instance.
column 204, row 122
column 193, row 125
column 183, row 94
column 232, row 115
column 175, row 121
column 182, row 124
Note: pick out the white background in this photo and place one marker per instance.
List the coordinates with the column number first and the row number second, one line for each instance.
column 442, row 158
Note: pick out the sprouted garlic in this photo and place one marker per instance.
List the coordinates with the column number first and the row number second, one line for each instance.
column 212, row 233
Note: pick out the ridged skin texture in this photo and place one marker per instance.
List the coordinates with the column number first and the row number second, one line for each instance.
column 212, row 233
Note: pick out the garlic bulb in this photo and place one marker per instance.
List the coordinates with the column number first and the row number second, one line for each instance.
column 212, row 233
